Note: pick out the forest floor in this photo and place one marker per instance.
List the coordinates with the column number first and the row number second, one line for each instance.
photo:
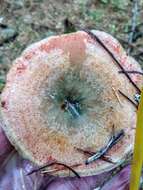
column 23, row 22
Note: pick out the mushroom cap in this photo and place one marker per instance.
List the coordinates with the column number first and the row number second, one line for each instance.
column 62, row 93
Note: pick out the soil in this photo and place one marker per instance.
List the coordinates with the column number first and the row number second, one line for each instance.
column 23, row 22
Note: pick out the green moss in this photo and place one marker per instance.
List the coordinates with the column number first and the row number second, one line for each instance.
column 119, row 4
column 104, row 1
column 112, row 28
column 96, row 14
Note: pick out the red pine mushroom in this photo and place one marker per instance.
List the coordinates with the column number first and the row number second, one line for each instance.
column 65, row 93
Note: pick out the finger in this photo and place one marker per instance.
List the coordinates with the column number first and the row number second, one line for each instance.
column 5, row 146
column 85, row 183
column 13, row 176
column 120, row 181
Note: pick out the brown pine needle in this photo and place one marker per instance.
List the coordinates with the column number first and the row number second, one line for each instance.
column 132, row 72
column 94, row 37
column 131, row 101
column 90, row 153
column 55, row 163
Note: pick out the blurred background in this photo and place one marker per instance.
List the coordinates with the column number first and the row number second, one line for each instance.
column 23, row 22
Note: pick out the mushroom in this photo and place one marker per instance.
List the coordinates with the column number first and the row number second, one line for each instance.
column 65, row 94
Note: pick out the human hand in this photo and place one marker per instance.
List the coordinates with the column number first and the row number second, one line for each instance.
column 14, row 169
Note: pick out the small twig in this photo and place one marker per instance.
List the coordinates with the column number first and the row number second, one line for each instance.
column 132, row 45
column 132, row 72
column 127, row 43
column 117, row 96
column 56, row 170
column 93, row 36
column 8, row 40
column 56, row 163
column 133, row 22
column 112, row 141
column 90, row 153
column 85, row 151
column 108, row 159
column 131, row 101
